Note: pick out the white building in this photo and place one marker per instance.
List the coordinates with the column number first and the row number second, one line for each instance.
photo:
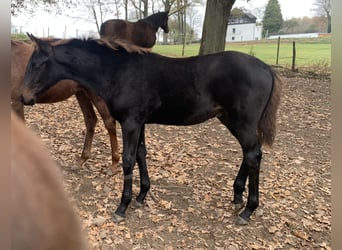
column 243, row 27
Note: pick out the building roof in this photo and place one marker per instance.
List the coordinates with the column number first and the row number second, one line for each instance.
column 241, row 18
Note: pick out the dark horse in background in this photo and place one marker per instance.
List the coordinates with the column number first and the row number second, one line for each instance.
column 141, row 32
column 142, row 88
column 20, row 54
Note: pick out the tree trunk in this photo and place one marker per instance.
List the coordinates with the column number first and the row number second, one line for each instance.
column 184, row 28
column 215, row 26
column 145, row 11
column 126, row 10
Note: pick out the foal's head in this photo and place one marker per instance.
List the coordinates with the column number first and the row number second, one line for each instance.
column 39, row 75
column 36, row 71
column 52, row 61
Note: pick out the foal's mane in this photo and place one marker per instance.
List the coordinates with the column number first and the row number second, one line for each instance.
column 117, row 43
column 113, row 44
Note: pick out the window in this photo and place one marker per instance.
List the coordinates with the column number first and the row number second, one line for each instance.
column 233, row 30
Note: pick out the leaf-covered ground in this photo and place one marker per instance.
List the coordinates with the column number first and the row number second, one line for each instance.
column 192, row 170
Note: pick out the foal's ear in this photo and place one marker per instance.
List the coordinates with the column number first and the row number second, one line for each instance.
column 41, row 45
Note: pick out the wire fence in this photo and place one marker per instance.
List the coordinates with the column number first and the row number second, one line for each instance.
column 66, row 32
column 19, row 32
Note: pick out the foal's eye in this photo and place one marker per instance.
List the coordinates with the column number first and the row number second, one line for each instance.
column 37, row 65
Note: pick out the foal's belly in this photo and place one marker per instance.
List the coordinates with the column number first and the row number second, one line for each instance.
column 184, row 115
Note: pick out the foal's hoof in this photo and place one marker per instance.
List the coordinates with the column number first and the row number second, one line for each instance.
column 241, row 221
column 136, row 204
column 74, row 168
column 118, row 218
column 239, row 207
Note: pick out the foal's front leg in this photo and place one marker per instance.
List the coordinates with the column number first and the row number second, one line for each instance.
column 130, row 137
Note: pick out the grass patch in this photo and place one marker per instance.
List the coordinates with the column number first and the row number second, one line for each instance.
column 314, row 52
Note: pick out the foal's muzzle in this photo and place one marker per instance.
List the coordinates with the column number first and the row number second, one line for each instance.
column 28, row 101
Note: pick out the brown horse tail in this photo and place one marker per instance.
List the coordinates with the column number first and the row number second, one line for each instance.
column 267, row 124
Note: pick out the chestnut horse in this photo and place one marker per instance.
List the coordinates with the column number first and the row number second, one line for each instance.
column 141, row 32
column 42, row 216
column 20, row 54
column 240, row 90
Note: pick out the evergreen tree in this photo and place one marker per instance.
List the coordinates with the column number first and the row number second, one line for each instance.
column 273, row 19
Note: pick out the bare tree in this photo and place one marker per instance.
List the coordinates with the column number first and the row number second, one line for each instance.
column 167, row 7
column 141, row 8
column 194, row 20
column 181, row 17
column 30, row 6
column 168, row 4
column 323, row 8
column 95, row 8
column 126, row 9
column 95, row 11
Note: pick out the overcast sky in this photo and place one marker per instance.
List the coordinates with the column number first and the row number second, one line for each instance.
column 40, row 23
column 289, row 8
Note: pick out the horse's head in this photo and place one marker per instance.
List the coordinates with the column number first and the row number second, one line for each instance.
column 164, row 24
column 39, row 71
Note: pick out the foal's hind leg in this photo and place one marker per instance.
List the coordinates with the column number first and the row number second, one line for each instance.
column 141, row 160
column 250, row 167
column 90, row 120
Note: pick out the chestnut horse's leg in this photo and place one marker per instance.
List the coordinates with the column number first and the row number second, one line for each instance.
column 90, row 120
column 110, row 124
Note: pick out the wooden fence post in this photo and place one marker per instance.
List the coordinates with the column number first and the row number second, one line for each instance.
column 278, row 50
column 294, row 57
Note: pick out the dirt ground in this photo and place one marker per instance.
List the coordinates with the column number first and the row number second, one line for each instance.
column 192, row 170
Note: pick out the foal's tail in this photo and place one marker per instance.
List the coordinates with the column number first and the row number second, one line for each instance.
column 267, row 123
